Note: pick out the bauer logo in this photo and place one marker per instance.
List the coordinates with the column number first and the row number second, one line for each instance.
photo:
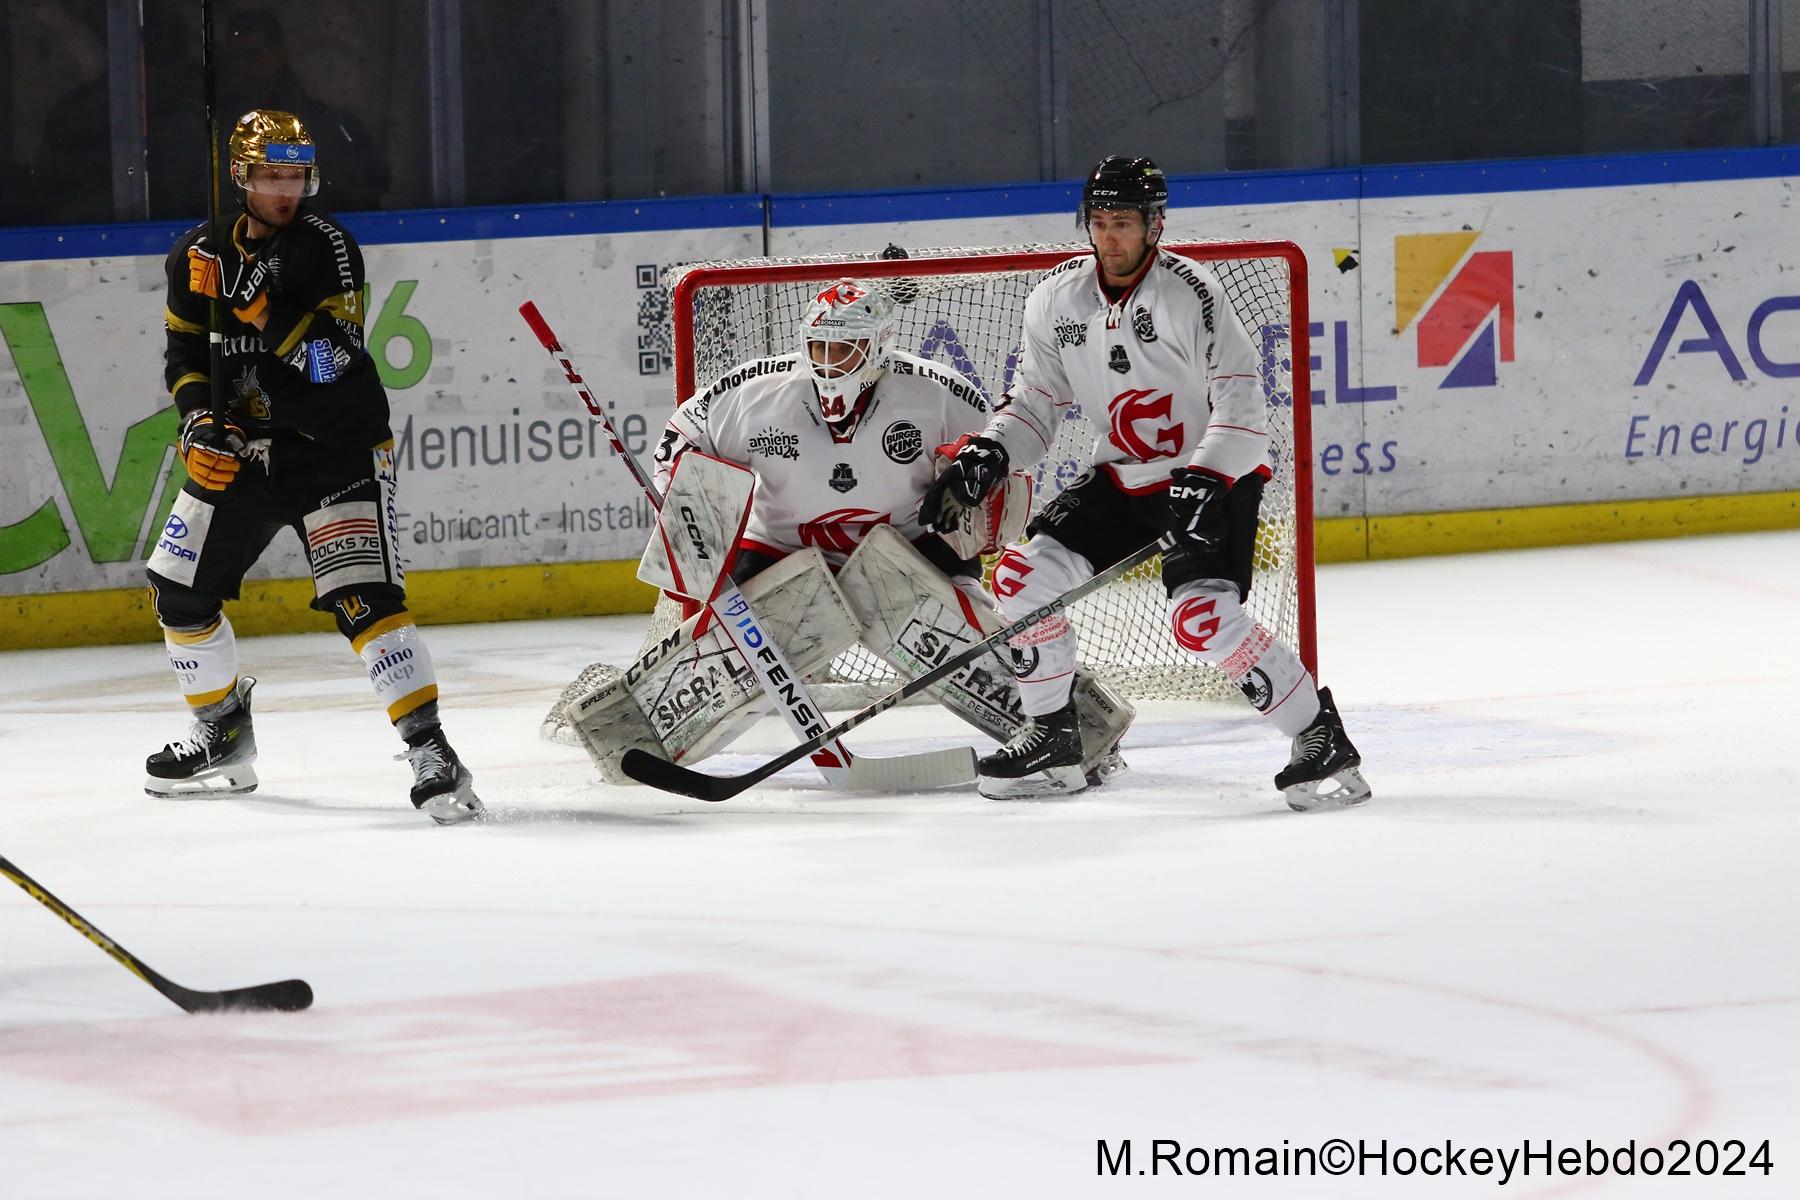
column 1460, row 301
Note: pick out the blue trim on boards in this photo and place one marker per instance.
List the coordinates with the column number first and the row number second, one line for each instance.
column 414, row 225
column 1615, row 170
column 930, row 204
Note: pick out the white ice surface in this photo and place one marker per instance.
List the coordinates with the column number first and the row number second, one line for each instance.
column 1569, row 913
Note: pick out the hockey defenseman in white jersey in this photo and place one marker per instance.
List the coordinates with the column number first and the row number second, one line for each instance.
column 843, row 437
column 1150, row 339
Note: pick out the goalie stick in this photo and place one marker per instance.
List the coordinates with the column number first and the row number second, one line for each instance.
column 289, row 995
column 671, row 777
column 903, row 772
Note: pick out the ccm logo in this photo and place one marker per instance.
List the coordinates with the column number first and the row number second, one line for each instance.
column 693, row 532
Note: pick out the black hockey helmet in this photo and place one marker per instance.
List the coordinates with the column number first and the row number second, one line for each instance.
column 1124, row 182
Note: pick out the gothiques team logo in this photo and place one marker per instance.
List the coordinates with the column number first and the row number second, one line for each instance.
column 841, row 530
column 1462, row 301
column 1139, row 424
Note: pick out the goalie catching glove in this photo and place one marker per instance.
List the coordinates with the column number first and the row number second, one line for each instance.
column 211, row 452
column 965, row 483
column 998, row 515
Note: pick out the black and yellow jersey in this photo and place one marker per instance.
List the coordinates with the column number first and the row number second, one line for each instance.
column 307, row 372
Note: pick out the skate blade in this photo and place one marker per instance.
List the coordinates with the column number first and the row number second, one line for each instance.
column 453, row 808
column 236, row 780
column 1056, row 781
column 1109, row 765
column 1345, row 789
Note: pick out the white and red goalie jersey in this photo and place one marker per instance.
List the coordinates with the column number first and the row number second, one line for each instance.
column 813, row 489
column 1168, row 374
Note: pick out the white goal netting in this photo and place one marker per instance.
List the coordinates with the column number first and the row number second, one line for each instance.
column 964, row 308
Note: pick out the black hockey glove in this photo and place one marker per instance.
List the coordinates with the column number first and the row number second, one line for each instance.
column 1196, row 509
column 211, row 452
column 243, row 283
column 971, row 475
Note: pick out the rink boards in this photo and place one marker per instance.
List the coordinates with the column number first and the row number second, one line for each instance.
column 1506, row 354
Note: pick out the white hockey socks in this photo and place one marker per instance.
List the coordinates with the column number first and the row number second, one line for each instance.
column 205, row 661
column 1209, row 623
column 399, row 666
column 1025, row 577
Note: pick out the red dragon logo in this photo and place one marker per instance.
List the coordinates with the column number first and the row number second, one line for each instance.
column 838, row 295
column 841, row 530
column 1009, row 573
column 1195, row 622
column 1128, row 409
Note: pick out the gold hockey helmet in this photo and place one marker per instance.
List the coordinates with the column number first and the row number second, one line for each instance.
column 270, row 137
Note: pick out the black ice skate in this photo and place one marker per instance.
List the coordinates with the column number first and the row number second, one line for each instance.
column 442, row 787
column 1323, row 770
column 1043, row 758
column 212, row 760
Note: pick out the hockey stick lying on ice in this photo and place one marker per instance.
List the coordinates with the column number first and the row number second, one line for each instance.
column 290, row 995
column 854, row 772
column 671, row 777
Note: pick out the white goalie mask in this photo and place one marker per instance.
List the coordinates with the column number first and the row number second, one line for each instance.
column 847, row 336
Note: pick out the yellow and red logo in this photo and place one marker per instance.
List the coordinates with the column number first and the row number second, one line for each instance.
column 1462, row 300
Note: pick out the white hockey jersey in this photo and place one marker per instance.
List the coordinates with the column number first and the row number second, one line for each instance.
column 812, row 489
column 1168, row 375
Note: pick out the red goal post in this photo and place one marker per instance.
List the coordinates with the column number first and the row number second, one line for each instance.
column 964, row 307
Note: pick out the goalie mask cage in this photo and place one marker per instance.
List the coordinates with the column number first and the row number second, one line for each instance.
column 965, row 308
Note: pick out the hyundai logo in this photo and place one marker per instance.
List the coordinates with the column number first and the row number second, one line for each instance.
column 176, row 528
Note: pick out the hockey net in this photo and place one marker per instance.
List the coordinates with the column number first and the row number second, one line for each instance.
column 965, row 308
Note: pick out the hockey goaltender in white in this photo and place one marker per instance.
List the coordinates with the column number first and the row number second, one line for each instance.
column 842, row 436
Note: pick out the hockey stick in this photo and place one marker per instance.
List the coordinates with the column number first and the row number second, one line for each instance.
column 216, row 233
column 290, row 995
column 928, row 769
column 672, row 777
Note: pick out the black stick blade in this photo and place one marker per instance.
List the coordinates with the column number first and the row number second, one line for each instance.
column 666, row 776
column 289, row 995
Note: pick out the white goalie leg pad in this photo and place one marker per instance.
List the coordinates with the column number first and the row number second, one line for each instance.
column 1209, row 622
column 685, row 699
column 913, row 618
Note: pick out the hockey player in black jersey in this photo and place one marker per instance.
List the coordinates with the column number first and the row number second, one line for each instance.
column 304, row 445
